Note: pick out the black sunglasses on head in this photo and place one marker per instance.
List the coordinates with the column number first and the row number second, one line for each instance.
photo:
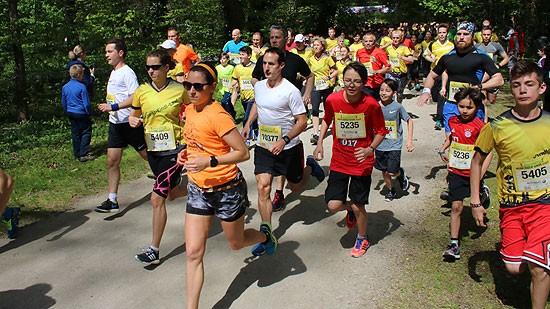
column 154, row 67
column 198, row 86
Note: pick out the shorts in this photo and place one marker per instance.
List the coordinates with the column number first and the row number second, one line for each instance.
column 121, row 135
column 167, row 172
column 524, row 234
column 227, row 204
column 459, row 187
column 387, row 161
column 290, row 163
column 338, row 184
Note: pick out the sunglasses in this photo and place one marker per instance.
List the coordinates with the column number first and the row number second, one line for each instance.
column 197, row 86
column 154, row 67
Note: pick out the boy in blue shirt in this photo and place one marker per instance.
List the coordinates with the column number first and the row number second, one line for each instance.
column 76, row 104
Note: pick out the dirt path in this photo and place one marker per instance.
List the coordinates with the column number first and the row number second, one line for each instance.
column 86, row 259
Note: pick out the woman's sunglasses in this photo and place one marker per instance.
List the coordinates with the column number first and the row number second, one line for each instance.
column 197, row 86
column 154, row 67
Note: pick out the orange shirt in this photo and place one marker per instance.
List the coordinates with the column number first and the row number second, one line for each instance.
column 203, row 133
column 185, row 54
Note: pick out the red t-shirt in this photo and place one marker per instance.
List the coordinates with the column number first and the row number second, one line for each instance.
column 343, row 157
column 379, row 60
column 463, row 133
column 407, row 42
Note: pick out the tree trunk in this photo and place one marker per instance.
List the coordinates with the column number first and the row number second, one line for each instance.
column 20, row 97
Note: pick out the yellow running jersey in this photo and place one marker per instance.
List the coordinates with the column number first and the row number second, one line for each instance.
column 523, row 148
column 321, row 68
column 398, row 66
column 244, row 76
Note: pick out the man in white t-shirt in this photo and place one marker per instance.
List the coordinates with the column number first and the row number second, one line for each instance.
column 120, row 93
column 281, row 118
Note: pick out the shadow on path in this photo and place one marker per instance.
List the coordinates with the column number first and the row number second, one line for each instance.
column 32, row 297
column 309, row 210
column 67, row 220
column 434, row 171
column 267, row 270
column 511, row 290
column 133, row 205
column 379, row 225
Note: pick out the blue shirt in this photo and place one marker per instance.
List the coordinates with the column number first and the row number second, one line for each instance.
column 231, row 47
column 74, row 98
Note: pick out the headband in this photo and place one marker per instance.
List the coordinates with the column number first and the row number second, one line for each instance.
column 466, row 25
column 208, row 68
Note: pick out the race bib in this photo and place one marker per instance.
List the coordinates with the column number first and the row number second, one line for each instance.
column 460, row 156
column 391, row 126
column 110, row 99
column 321, row 84
column 160, row 138
column 454, row 87
column 269, row 135
column 532, row 175
column 368, row 65
column 394, row 62
column 350, row 126
column 225, row 81
column 235, row 58
column 246, row 83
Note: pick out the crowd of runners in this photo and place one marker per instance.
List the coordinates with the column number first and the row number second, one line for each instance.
column 175, row 123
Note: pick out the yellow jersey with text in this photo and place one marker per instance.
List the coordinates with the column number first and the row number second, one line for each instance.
column 321, row 68
column 398, row 66
column 243, row 74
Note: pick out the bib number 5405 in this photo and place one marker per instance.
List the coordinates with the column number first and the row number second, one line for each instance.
column 535, row 173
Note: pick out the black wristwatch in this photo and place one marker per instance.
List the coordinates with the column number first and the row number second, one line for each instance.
column 213, row 161
column 286, row 139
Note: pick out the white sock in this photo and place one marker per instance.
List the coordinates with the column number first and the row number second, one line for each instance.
column 113, row 197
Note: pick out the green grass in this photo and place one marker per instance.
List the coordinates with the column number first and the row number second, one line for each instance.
column 479, row 278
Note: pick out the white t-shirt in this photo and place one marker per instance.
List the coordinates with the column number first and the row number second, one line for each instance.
column 278, row 106
column 122, row 83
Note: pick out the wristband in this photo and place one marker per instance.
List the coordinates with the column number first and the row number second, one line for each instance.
column 426, row 90
column 475, row 205
column 114, row 107
column 441, row 152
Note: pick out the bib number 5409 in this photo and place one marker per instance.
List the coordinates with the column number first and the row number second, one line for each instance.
column 159, row 136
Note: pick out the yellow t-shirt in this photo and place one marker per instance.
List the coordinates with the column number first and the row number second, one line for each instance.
column 523, row 148
column 305, row 53
column 161, row 112
column 331, row 44
column 478, row 38
column 340, row 67
column 321, row 68
column 177, row 71
column 255, row 56
column 204, row 133
column 354, row 48
column 438, row 50
column 417, row 51
column 398, row 65
column 244, row 76
column 385, row 40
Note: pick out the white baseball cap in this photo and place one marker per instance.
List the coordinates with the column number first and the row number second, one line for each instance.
column 299, row 38
column 168, row 44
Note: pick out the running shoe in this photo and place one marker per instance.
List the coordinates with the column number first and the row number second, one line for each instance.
column 314, row 139
column 389, row 196
column 258, row 249
column 107, row 206
column 452, row 252
column 438, row 125
column 88, row 157
column 351, row 221
column 278, row 202
column 444, row 195
column 485, row 197
column 150, row 175
column 403, row 180
column 316, row 169
column 360, row 248
column 13, row 222
column 271, row 243
column 148, row 257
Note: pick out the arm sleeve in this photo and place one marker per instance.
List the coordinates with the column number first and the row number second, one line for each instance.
column 131, row 82
column 223, row 123
column 489, row 66
column 191, row 54
column 329, row 109
column 64, row 99
column 404, row 115
column 295, row 102
column 440, row 66
column 136, row 102
column 485, row 141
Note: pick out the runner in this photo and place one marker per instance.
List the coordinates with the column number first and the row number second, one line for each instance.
column 10, row 215
column 388, row 153
column 120, row 94
column 301, row 49
column 234, row 46
column 331, row 40
column 242, row 79
column 376, row 62
column 386, row 40
column 325, row 72
column 478, row 36
column 522, row 180
column 433, row 53
column 341, row 65
column 294, row 65
column 399, row 55
column 414, row 68
column 465, row 130
column 335, row 52
column 357, row 131
column 281, row 116
column 216, row 186
column 225, row 75
column 356, row 45
column 184, row 54
column 425, row 64
column 258, row 47
column 160, row 102
column 178, row 72
column 493, row 49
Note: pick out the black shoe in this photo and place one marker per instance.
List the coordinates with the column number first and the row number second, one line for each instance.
column 314, row 139
column 87, row 157
column 403, row 180
column 389, row 196
column 107, row 206
column 444, row 195
column 148, row 257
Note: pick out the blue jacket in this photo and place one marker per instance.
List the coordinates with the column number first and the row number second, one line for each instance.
column 87, row 78
column 74, row 98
